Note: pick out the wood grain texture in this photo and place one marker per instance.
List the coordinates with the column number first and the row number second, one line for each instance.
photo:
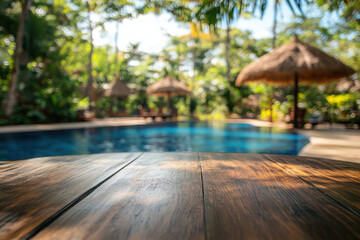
column 33, row 190
column 250, row 197
column 158, row 196
column 339, row 179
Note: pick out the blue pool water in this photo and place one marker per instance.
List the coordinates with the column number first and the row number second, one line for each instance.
column 175, row 136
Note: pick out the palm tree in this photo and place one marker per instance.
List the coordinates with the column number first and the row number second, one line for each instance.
column 117, row 11
column 89, row 65
column 276, row 5
column 219, row 11
column 196, row 34
column 10, row 99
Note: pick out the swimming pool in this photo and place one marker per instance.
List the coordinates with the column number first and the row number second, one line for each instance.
column 169, row 137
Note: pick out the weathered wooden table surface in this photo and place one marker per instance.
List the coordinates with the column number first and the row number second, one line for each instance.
column 179, row 196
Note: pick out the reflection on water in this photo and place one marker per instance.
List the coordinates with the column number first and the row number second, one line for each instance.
column 164, row 137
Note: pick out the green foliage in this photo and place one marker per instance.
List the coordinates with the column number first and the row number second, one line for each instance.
column 215, row 12
column 344, row 107
column 56, row 46
column 46, row 90
column 342, row 100
column 176, row 8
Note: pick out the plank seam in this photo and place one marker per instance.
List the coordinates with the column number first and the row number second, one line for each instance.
column 203, row 195
column 67, row 207
column 311, row 184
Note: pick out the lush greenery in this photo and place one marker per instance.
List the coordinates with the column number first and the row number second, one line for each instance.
column 54, row 59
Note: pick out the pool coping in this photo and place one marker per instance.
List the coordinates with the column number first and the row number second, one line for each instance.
column 126, row 121
column 108, row 122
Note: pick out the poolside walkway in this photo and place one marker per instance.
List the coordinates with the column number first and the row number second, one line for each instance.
column 333, row 143
column 340, row 144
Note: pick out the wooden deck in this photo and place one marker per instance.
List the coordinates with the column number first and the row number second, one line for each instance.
column 179, row 196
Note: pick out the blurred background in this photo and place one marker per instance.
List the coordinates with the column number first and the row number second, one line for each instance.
column 73, row 60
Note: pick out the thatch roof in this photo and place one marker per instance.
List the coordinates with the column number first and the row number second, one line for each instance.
column 95, row 92
column 279, row 66
column 118, row 89
column 168, row 86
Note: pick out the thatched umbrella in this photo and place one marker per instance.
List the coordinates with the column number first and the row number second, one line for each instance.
column 168, row 86
column 294, row 63
column 95, row 92
column 118, row 89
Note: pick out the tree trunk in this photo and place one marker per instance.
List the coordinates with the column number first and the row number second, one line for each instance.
column 273, row 47
column 271, row 105
column 116, row 48
column 228, row 65
column 10, row 99
column 227, row 53
column 296, row 93
column 193, row 80
column 275, row 24
column 89, row 66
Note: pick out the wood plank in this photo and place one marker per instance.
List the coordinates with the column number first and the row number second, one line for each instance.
column 33, row 190
column 159, row 196
column 339, row 179
column 249, row 197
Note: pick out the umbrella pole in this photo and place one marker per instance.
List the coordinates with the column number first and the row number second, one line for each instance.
column 271, row 104
column 169, row 101
column 296, row 92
